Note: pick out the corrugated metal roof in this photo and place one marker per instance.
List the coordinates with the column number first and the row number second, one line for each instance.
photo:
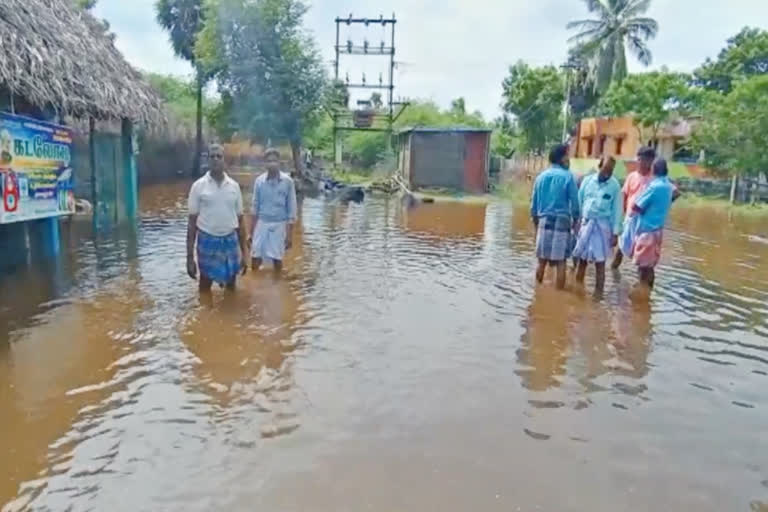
column 443, row 129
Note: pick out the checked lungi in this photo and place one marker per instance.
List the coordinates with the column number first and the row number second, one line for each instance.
column 554, row 238
column 218, row 257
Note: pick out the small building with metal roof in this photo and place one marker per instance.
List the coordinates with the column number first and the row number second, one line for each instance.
column 455, row 157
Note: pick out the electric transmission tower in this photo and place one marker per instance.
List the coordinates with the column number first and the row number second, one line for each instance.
column 365, row 116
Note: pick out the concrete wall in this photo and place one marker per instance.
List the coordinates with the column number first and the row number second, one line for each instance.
column 617, row 137
column 611, row 130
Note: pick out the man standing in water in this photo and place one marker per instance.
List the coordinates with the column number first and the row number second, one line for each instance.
column 216, row 226
column 634, row 185
column 274, row 213
column 600, row 201
column 651, row 209
column 555, row 210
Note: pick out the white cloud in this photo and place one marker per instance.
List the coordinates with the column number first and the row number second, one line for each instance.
column 451, row 48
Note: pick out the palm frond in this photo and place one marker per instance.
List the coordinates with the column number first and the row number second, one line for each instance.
column 648, row 28
column 586, row 36
column 596, row 6
column 640, row 50
column 636, row 8
column 585, row 24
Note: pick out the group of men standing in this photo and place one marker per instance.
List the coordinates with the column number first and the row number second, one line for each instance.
column 587, row 221
column 216, row 231
column 584, row 221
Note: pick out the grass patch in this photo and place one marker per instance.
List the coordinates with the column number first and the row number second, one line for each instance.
column 352, row 177
column 722, row 204
column 516, row 193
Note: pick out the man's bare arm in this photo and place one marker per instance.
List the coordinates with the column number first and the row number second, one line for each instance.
column 191, row 238
column 243, row 240
column 241, row 233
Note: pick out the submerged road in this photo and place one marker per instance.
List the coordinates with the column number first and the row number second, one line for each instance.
column 405, row 361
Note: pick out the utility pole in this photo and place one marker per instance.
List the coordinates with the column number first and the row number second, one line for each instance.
column 366, row 119
column 568, row 66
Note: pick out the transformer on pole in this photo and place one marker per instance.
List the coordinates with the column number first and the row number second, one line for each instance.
column 365, row 116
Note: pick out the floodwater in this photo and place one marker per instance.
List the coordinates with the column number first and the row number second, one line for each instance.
column 405, row 361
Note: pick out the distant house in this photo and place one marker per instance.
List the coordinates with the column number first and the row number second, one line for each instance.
column 449, row 157
column 620, row 137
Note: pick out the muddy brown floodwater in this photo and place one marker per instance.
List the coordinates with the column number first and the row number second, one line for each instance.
column 404, row 362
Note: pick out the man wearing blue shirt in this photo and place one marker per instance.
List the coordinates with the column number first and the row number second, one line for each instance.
column 600, row 201
column 651, row 209
column 555, row 210
column 274, row 213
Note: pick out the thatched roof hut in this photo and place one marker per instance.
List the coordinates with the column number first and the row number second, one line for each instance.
column 54, row 54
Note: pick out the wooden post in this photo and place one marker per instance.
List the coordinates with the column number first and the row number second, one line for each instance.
column 97, row 206
column 130, row 172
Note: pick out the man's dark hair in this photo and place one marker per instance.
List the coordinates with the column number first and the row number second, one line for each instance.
column 646, row 152
column 660, row 167
column 558, row 153
column 271, row 152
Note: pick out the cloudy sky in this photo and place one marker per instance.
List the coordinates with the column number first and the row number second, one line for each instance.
column 451, row 48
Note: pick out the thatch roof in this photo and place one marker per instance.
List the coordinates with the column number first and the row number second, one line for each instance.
column 54, row 54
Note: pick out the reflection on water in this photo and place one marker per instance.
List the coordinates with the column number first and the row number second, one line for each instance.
column 404, row 361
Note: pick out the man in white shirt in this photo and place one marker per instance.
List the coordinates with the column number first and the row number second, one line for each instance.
column 216, row 226
column 274, row 213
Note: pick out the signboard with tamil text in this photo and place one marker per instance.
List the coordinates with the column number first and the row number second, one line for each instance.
column 36, row 178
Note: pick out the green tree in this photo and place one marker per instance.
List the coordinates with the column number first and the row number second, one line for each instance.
column 221, row 118
column 584, row 96
column 180, row 98
column 603, row 41
column 271, row 67
column 458, row 107
column 376, row 100
column 337, row 96
column 183, row 20
column 504, row 141
column 653, row 99
column 366, row 150
column 745, row 55
column 734, row 134
column 534, row 96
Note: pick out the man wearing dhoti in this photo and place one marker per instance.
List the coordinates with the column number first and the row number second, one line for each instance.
column 601, row 205
column 274, row 213
column 643, row 237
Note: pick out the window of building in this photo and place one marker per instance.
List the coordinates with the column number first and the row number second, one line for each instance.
column 619, row 145
column 590, row 142
column 602, row 144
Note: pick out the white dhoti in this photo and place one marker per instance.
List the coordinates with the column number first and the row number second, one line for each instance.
column 593, row 243
column 269, row 240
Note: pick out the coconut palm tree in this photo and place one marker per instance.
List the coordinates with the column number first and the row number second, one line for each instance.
column 183, row 20
column 602, row 43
